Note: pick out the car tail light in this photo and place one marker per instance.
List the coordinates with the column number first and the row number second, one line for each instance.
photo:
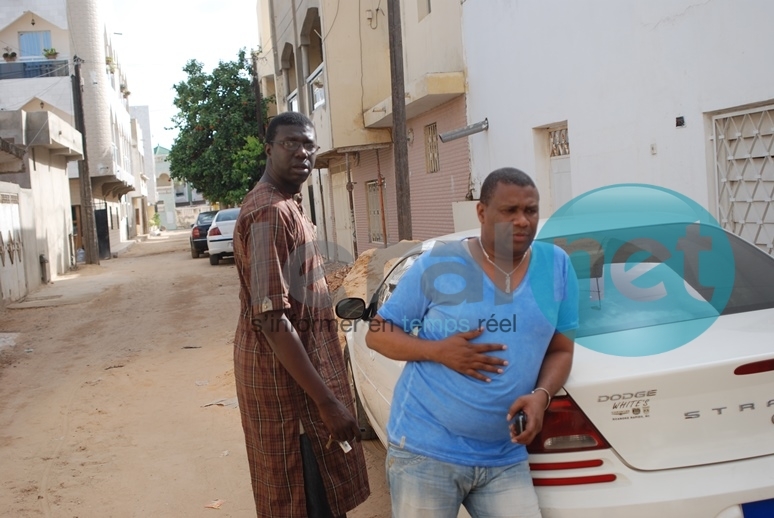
column 195, row 232
column 574, row 481
column 755, row 367
column 214, row 231
column 566, row 428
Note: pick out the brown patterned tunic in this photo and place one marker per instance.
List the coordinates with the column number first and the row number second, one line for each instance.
column 280, row 267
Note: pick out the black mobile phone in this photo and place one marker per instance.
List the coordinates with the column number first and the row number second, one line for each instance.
column 520, row 422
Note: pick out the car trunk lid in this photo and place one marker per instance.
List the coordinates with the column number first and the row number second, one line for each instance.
column 697, row 404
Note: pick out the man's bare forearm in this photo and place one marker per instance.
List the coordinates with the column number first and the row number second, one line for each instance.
column 393, row 342
column 557, row 363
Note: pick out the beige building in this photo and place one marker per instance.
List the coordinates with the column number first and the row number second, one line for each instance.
column 330, row 60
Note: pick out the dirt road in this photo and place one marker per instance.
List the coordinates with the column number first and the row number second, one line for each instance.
column 117, row 396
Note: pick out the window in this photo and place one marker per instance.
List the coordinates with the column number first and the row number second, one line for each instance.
column 601, row 257
column 374, row 208
column 391, row 281
column 432, row 159
column 424, row 8
column 560, row 142
column 317, row 88
column 32, row 43
column 293, row 101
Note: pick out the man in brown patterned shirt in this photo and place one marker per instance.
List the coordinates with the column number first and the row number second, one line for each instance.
column 291, row 381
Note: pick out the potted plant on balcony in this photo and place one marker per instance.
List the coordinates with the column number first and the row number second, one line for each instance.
column 9, row 54
column 50, row 53
column 111, row 65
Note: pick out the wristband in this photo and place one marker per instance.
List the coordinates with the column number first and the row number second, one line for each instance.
column 547, row 394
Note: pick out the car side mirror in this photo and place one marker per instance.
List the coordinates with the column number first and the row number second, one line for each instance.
column 351, row 308
column 192, row 225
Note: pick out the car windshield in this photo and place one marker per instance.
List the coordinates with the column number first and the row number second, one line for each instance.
column 628, row 283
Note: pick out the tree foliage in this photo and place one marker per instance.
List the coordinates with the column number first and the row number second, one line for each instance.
column 216, row 150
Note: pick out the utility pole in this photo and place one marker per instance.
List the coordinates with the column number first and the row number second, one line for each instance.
column 88, row 224
column 399, row 140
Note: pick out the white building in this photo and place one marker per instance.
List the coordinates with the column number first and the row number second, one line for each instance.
column 165, row 193
column 36, row 237
column 586, row 94
column 35, row 82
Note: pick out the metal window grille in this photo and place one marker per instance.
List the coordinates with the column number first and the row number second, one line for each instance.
column 9, row 198
column 432, row 158
column 744, row 170
column 560, row 142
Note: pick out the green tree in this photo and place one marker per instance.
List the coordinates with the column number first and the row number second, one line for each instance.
column 217, row 150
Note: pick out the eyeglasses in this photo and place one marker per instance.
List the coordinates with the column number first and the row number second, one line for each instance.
column 293, row 145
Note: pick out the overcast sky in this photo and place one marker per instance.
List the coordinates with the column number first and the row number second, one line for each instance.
column 159, row 36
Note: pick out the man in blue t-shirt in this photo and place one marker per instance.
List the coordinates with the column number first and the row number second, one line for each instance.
column 485, row 326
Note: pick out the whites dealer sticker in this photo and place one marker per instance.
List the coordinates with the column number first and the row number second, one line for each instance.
column 629, row 405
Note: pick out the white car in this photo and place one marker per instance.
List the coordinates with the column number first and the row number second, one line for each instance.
column 679, row 433
column 220, row 236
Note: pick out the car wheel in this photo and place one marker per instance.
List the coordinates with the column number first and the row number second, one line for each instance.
column 367, row 432
column 194, row 253
column 214, row 259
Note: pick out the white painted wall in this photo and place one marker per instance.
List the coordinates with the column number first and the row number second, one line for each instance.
column 53, row 214
column 619, row 73
column 432, row 43
column 142, row 114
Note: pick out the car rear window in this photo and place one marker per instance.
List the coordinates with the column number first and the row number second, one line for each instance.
column 228, row 215
column 601, row 257
column 205, row 218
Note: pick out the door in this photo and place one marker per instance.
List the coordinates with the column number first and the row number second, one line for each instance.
column 343, row 215
column 103, row 232
column 13, row 281
column 561, row 181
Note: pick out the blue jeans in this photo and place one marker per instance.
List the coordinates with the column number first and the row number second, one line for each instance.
column 421, row 487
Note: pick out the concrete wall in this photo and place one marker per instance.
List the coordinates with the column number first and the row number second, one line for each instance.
column 357, row 69
column 618, row 74
column 432, row 43
column 165, row 192
column 142, row 114
column 53, row 215
column 45, row 216
column 50, row 143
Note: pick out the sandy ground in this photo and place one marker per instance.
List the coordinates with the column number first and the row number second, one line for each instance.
column 117, row 394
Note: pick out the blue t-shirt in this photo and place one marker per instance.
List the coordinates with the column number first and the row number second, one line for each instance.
column 451, row 417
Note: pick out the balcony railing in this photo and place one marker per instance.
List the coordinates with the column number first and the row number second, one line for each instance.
column 33, row 69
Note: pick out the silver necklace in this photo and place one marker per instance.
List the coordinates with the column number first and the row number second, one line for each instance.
column 507, row 275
